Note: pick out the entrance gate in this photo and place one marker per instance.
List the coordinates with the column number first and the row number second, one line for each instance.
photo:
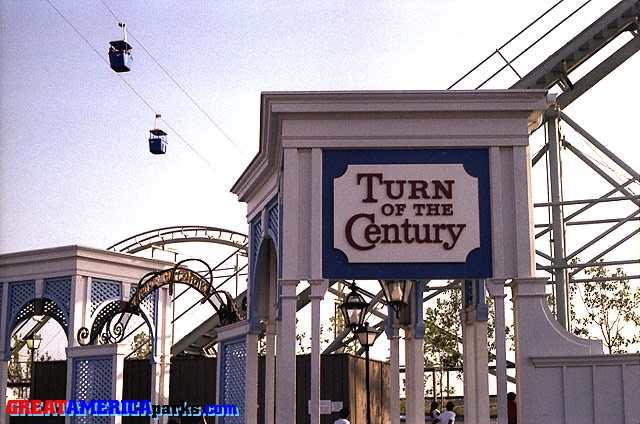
column 384, row 185
column 84, row 288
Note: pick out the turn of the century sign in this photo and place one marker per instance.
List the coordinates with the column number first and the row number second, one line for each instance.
column 406, row 214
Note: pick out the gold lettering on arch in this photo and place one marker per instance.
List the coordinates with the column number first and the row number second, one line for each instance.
column 181, row 275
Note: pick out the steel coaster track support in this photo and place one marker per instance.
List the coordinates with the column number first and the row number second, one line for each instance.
column 599, row 72
column 604, row 234
column 617, row 186
column 559, row 260
column 599, row 145
column 614, row 246
column 620, row 188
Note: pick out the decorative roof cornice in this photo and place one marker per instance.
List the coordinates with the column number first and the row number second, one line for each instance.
column 275, row 105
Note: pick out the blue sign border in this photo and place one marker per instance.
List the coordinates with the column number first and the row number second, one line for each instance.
column 479, row 262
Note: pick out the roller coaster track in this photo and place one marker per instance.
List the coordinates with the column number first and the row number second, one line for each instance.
column 181, row 234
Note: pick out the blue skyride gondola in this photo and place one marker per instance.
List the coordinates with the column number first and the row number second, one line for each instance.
column 157, row 139
column 120, row 58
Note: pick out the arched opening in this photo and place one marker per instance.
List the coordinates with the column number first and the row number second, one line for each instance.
column 35, row 350
column 266, row 275
column 264, row 301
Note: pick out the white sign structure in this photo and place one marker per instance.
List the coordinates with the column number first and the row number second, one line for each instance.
column 406, row 213
column 443, row 193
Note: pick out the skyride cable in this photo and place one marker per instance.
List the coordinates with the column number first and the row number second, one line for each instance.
column 136, row 93
column 178, row 84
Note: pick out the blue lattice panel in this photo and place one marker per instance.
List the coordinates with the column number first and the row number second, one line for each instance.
column 273, row 218
column 92, row 380
column 19, row 293
column 59, row 289
column 233, row 379
column 256, row 238
column 102, row 290
column 53, row 310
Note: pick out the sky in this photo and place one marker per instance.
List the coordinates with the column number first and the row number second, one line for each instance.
column 75, row 165
column 74, row 161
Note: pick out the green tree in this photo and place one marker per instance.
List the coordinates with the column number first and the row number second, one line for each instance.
column 19, row 372
column 141, row 346
column 443, row 329
column 611, row 306
column 337, row 326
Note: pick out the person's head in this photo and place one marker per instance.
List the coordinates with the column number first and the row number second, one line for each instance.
column 450, row 406
column 434, row 405
column 511, row 396
column 344, row 413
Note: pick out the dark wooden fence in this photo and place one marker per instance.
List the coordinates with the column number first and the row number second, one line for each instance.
column 194, row 380
column 136, row 385
column 343, row 379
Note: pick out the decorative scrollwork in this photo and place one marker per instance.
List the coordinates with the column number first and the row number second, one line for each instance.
column 104, row 318
column 83, row 335
column 109, row 330
column 113, row 332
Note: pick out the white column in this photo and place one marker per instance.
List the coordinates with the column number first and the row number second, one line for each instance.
column 482, row 372
column 251, row 382
column 286, row 356
column 496, row 291
column 475, row 359
column 160, row 370
column 523, row 212
column 4, row 371
column 408, row 374
column 39, row 288
column 318, row 289
column 394, row 376
column 469, row 377
column 270, row 373
column 118, row 377
column 97, row 352
column 78, row 310
column 414, row 374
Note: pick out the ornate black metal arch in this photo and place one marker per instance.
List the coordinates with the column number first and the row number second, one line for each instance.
column 111, row 330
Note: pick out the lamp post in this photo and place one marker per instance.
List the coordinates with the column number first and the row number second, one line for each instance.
column 354, row 309
column 396, row 293
column 33, row 343
column 367, row 336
